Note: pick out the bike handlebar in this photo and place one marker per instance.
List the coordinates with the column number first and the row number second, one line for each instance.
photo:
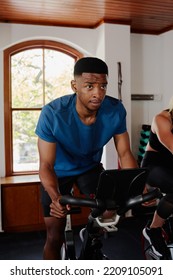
column 137, row 200
column 111, row 205
column 78, row 201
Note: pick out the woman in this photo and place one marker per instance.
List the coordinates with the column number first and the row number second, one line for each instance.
column 159, row 159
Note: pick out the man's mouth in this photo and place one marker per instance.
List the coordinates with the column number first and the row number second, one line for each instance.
column 95, row 102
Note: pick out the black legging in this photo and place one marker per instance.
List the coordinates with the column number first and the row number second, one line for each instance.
column 161, row 176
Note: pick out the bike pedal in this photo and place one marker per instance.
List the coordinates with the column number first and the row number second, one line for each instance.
column 111, row 228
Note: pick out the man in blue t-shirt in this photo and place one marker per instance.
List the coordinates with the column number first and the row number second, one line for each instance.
column 72, row 131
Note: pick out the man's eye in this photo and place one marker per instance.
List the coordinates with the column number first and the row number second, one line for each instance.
column 89, row 86
column 104, row 86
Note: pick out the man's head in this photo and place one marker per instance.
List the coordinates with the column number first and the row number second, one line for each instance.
column 90, row 83
column 90, row 65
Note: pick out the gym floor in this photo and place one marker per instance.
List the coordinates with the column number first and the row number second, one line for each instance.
column 125, row 244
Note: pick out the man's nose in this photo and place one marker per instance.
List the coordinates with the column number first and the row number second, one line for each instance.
column 97, row 92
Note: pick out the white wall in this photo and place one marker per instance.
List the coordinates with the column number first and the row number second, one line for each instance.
column 151, row 73
column 108, row 41
column 117, row 49
column 167, row 66
column 145, row 79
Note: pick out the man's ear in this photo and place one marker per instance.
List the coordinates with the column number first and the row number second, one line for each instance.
column 73, row 85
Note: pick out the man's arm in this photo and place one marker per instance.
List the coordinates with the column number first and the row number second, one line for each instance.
column 47, row 153
column 122, row 144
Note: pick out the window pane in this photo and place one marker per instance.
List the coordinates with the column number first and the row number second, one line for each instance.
column 25, row 151
column 38, row 76
column 58, row 74
column 27, row 79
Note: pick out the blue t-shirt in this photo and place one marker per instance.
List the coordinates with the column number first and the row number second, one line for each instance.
column 79, row 147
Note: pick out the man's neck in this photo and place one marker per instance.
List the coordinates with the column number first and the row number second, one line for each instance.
column 87, row 117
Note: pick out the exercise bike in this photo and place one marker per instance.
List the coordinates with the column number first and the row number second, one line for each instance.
column 117, row 191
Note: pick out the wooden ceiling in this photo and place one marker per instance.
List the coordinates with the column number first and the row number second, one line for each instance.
column 143, row 16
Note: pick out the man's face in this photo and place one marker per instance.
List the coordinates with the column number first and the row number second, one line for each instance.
column 90, row 89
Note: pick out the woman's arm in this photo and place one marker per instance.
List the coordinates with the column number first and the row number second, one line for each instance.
column 162, row 125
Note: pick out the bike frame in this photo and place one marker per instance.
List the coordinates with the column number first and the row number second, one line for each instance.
column 91, row 246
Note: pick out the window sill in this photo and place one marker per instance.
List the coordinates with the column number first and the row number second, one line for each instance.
column 19, row 179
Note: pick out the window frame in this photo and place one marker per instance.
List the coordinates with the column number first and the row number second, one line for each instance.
column 31, row 44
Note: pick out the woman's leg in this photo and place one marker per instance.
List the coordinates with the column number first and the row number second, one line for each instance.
column 157, row 221
column 162, row 178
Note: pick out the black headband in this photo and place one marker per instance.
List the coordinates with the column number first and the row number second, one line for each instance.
column 90, row 65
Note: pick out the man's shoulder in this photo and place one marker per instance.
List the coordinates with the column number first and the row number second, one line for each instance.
column 112, row 101
column 61, row 103
column 112, row 108
column 109, row 98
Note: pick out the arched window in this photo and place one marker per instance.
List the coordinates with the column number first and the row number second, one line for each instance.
column 35, row 72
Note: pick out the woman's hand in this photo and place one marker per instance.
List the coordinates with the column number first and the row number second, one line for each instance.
column 149, row 203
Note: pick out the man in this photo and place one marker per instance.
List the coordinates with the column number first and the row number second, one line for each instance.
column 72, row 132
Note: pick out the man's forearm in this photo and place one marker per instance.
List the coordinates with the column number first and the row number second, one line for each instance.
column 128, row 161
column 49, row 181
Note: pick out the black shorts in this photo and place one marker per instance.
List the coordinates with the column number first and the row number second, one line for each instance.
column 86, row 182
column 160, row 171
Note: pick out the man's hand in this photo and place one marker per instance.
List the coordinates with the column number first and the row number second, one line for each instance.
column 57, row 210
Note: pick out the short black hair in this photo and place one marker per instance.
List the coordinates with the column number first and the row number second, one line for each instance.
column 90, row 65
